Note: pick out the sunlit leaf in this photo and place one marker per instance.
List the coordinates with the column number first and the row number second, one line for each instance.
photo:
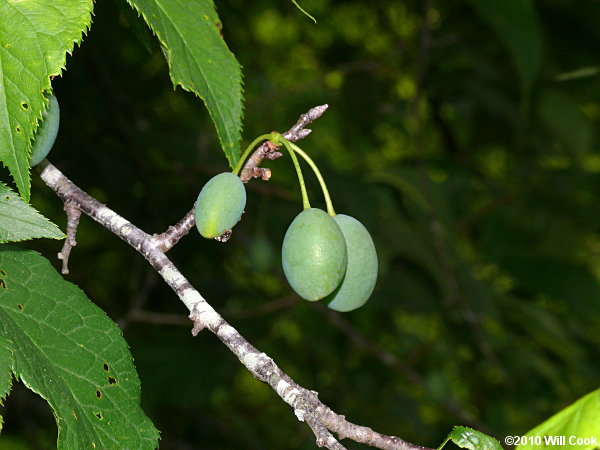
column 578, row 423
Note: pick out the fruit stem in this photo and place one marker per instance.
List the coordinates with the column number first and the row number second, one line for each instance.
column 315, row 169
column 288, row 145
column 254, row 143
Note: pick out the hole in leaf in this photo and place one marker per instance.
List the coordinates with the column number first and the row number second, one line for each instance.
column 20, row 307
column 112, row 380
column 98, row 393
column 106, row 367
column 25, row 105
column 7, row 197
column 18, row 129
column 99, row 415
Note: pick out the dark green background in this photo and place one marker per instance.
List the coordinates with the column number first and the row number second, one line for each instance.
column 482, row 200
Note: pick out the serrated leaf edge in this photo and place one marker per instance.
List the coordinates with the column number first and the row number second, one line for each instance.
column 2, row 241
column 166, row 52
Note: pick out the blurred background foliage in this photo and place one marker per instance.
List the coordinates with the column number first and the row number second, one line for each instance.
column 462, row 134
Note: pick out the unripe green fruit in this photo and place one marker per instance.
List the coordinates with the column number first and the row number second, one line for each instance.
column 220, row 205
column 361, row 272
column 46, row 133
column 314, row 254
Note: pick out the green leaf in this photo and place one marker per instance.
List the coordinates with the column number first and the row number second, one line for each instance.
column 68, row 351
column 35, row 37
column 474, row 440
column 5, row 374
column 19, row 221
column 580, row 420
column 517, row 24
column 5, row 355
column 199, row 61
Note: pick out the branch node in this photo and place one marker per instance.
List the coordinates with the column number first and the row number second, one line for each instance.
column 167, row 240
column 199, row 324
column 197, row 328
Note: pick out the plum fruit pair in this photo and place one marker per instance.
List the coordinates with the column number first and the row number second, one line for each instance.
column 331, row 258
column 324, row 255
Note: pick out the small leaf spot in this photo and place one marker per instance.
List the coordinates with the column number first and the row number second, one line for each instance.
column 99, row 416
column 20, row 307
column 112, row 380
column 7, row 45
column 74, row 414
column 106, row 367
column 98, row 393
column 7, row 197
column 24, row 105
column 18, row 129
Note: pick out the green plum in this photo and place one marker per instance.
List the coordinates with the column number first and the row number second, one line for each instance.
column 220, row 205
column 314, row 254
column 361, row 272
column 46, row 132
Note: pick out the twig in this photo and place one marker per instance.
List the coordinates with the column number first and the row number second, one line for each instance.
column 144, row 316
column 139, row 299
column 138, row 315
column 73, row 216
column 361, row 341
column 169, row 238
column 304, row 402
column 324, row 437
column 267, row 150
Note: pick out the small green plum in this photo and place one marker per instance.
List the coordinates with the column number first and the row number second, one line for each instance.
column 314, row 254
column 361, row 272
column 46, row 133
column 220, row 205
